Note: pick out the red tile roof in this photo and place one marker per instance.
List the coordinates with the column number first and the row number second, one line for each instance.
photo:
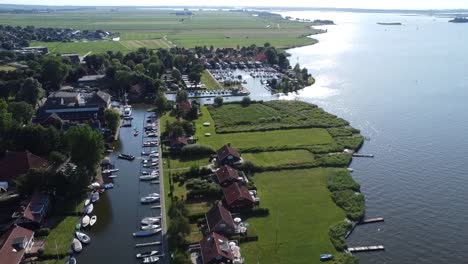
column 37, row 205
column 227, row 150
column 178, row 141
column 235, row 192
column 226, row 173
column 217, row 214
column 9, row 252
column 213, row 246
column 14, row 164
column 185, row 106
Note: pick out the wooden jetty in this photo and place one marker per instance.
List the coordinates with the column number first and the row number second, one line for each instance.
column 366, row 248
column 371, row 220
column 154, row 182
column 155, row 207
column 148, row 244
column 363, row 155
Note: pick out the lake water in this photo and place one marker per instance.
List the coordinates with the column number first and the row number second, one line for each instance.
column 405, row 87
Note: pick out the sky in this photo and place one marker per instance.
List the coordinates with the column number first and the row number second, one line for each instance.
column 371, row 4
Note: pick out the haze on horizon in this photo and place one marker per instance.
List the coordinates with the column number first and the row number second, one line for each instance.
column 364, row 4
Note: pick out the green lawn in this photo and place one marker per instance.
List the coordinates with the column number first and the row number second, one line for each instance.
column 7, row 68
column 301, row 211
column 272, row 115
column 290, row 138
column 210, row 82
column 81, row 48
column 280, row 158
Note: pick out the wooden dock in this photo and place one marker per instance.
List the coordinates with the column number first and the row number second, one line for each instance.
column 366, row 248
column 371, row 220
column 148, row 244
column 357, row 155
column 155, row 207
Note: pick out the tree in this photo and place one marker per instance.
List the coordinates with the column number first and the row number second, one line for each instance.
column 30, row 91
column 218, row 101
column 154, row 69
column 174, row 129
column 283, row 61
column 5, row 117
column 22, row 112
column 176, row 75
column 54, row 72
column 271, row 55
column 112, row 118
column 139, row 68
column 194, row 77
column 161, row 102
column 181, row 96
column 86, row 146
column 245, row 101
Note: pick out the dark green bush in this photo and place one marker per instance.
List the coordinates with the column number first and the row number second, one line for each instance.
column 196, row 150
column 342, row 180
column 337, row 233
column 351, row 202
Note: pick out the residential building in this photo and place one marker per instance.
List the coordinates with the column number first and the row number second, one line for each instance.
column 228, row 155
column 16, row 163
column 90, row 80
column 177, row 143
column 14, row 244
column 220, row 220
column 215, row 249
column 34, row 213
column 73, row 57
column 237, row 197
column 227, row 175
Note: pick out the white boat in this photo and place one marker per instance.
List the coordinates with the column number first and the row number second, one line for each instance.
column 94, row 185
column 76, row 245
column 88, row 209
column 94, row 197
column 152, row 259
column 146, row 254
column 149, row 172
column 148, row 177
column 127, row 110
column 149, row 227
column 85, row 221
column 71, row 260
column 150, row 220
column 149, row 165
column 149, row 199
column 82, row 237
column 113, row 170
column 108, row 185
column 86, row 202
column 112, row 176
column 153, row 195
column 93, row 220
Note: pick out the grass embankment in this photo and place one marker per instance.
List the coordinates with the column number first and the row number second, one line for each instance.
column 281, row 158
column 210, row 82
column 301, row 211
column 158, row 28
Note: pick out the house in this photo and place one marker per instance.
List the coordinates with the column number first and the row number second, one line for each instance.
column 228, row 155
column 215, row 249
column 39, row 50
column 74, row 106
column 177, row 143
column 219, row 220
column 52, row 120
column 35, row 211
column 184, row 106
column 73, row 57
column 15, row 163
column 14, row 244
column 237, row 197
column 90, row 80
column 227, row 175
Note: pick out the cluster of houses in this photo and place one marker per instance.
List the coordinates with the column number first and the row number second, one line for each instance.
column 215, row 247
column 17, row 243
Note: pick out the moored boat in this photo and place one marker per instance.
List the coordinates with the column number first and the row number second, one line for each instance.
column 108, row 185
column 76, row 245
column 94, row 197
column 150, row 220
column 149, row 199
column 145, row 233
column 85, row 221
column 147, row 254
column 148, row 177
column 152, row 259
column 149, row 227
column 326, row 257
column 86, row 202
column 92, row 220
column 126, row 156
column 82, row 237
column 71, row 260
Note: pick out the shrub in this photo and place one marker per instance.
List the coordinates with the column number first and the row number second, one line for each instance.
column 218, row 101
column 255, row 212
column 196, row 150
column 351, row 202
column 342, row 180
column 246, row 101
column 43, row 232
column 337, row 235
column 334, row 160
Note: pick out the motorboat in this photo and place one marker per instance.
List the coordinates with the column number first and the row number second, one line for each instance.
column 146, row 254
column 71, row 260
column 145, row 233
column 149, row 165
column 150, row 220
column 110, row 171
column 152, row 134
column 149, row 172
column 88, row 209
column 94, row 197
column 108, row 186
column 95, row 185
column 76, row 245
column 86, row 202
column 152, row 259
column 136, row 133
column 85, row 221
column 149, row 199
column 92, row 220
column 82, row 237
column 326, row 257
column 148, row 177
column 112, row 176
column 126, row 156
column 127, row 111
column 149, row 227
column 153, row 195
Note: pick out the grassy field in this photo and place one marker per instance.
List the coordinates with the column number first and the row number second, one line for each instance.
column 210, row 82
column 280, row 158
column 82, row 48
column 204, row 28
column 272, row 115
column 301, row 211
column 291, row 137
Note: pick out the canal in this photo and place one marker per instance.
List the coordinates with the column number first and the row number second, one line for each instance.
column 119, row 210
